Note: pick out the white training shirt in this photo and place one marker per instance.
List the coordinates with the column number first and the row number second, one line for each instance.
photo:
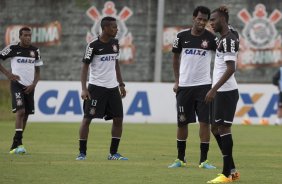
column 227, row 50
column 23, row 61
column 102, row 58
column 196, row 56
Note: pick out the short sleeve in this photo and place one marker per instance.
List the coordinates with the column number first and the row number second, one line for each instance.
column 176, row 46
column 6, row 53
column 88, row 55
column 230, row 48
column 38, row 60
column 214, row 43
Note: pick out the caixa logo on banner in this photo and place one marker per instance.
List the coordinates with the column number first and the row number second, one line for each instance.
column 71, row 103
column 250, row 106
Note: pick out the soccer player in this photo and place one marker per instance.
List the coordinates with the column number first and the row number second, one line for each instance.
column 102, row 98
column 277, row 81
column 192, row 50
column 25, row 65
column 224, row 91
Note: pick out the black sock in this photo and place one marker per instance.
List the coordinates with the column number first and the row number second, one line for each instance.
column 218, row 140
column 114, row 145
column 232, row 165
column 17, row 140
column 181, row 147
column 82, row 146
column 227, row 145
column 204, row 147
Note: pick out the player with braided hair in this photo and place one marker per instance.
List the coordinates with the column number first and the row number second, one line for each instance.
column 224, row 91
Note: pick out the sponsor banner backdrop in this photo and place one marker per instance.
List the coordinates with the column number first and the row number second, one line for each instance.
column 59, row 101
column 42, row 35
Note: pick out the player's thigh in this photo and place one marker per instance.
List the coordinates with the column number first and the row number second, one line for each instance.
column 17, row 96
column 225, row 106
column 185, row 106
column 95, row 107
column 202, row 108
column 29, row 103
column 114, row 108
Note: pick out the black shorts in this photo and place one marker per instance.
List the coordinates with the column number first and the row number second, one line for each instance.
column 225, row 104
column 191, row 102
column 280, row 100
column 21, row 100
column 104, row 103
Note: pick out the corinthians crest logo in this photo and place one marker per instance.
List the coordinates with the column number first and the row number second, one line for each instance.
column 127, row 49
column 260, row 42
column 260, row 31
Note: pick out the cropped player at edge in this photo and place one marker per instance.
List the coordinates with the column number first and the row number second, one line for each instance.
column 102, row 98
column 25, row 65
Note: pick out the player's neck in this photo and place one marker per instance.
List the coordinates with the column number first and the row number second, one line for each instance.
column 224, row 31
column 23, row 45
column 196, row 32
column 104, row 38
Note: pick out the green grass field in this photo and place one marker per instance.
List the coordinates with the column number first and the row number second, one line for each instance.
column 52, row 149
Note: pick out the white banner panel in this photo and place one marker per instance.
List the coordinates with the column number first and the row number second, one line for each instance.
column 59, row 101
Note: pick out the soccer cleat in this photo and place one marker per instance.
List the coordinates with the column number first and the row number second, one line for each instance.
column 177, row 163
column 221, row 179
column 18, row 150
column 81, row 156
column 235, row 175
column 206, row 165
column 116, row 156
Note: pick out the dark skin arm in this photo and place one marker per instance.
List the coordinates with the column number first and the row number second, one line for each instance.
column 120, row 81
column 176, row 64
column 227, row 74
column 275, row 78
column 8, row 74
column 31, row 87
column 83, row 79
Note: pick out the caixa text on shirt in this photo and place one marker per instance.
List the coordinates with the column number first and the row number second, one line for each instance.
column 195, row 52
column 108, row 58
column 21, row 60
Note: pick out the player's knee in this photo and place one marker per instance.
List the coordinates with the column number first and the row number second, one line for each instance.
column 21, row 112
column 214, row 129
column 204, row 126
column 223, row 129
column 86, row 121
column 117, row 121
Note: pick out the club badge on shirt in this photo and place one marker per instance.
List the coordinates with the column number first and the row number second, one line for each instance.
column 204, row 44
column 32, row 54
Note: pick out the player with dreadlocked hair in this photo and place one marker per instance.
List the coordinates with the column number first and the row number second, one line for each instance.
column 224, row 91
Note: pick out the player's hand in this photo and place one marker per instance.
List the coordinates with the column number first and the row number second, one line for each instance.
column 122, row 91
column 85, row 95
column 29, row 89
column 13, row 77
column 210, row 96
column 175, row 87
